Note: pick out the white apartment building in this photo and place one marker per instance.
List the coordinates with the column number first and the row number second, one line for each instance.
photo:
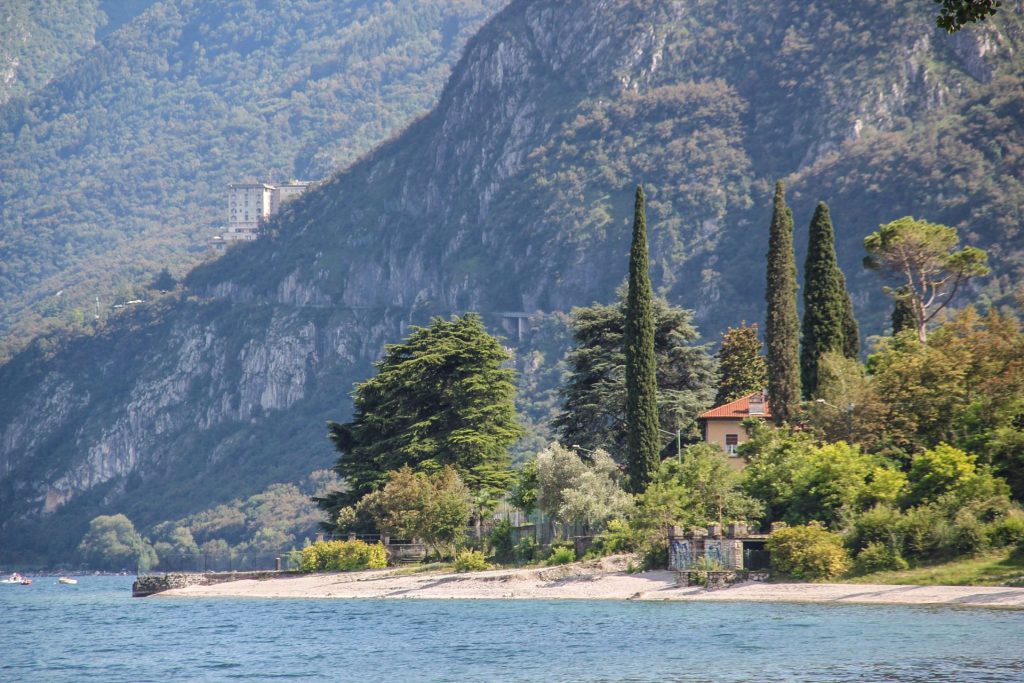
column 249, row 204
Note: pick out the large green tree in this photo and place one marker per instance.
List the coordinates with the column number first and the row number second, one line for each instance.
column 923, row 259
column 742, row 368
column 594, row 394
column 439, row 398
column 781, row 329
column 643, row 444
column 113, row 543
column 828, row 311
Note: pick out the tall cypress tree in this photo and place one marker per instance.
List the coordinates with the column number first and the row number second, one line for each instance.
column 643, row 443
column 781, row 329
column 851, row 330
column 825, row 301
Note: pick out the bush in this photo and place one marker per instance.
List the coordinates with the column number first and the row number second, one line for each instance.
column 561, row 555
column 878, row 557
column 879, row 525
column 808, row 553
column 343, row 556
column 1007, row 531
column 500, row 541
column 470, row 561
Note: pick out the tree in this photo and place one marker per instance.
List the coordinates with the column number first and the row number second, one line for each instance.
column 781, row 324
column 922, row 257
column 435, row 508
column 594, row 396
column 643, row 444
column 572, row 491
column 828, row 311
column 955, row 14
column 113, row 543
column 439, row 398
column 742, row 368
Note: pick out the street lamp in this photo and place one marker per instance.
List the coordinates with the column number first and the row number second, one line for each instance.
column 849, row 416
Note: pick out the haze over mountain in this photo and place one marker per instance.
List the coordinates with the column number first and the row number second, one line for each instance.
column 513, row 195
column 127, row 120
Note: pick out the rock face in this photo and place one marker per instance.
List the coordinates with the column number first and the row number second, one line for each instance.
column 513, row 195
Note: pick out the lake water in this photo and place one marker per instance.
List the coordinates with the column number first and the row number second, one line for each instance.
column 96, row 632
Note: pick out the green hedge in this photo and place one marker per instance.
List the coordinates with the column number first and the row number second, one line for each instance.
column 343, row 556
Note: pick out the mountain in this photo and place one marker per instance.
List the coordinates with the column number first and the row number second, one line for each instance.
column 512, row 196
column 118, row 150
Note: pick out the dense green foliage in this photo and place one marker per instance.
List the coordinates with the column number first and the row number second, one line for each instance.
column 342, row 556
column 434, row 508
column 117, row 167
column 594, row 393
column 828, row 311
column 741, row 367
column 643, row 444
column 781, row 322
column 585, row 493
column 808, row 553
column 112, row 543
column 470, row 561
column 439, row 398
column 956, row 14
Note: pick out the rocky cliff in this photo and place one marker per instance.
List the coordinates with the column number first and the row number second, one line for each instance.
column 513, row 195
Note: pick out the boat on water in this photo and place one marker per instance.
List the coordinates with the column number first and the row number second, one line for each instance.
column 67, row 580
column 17, row 579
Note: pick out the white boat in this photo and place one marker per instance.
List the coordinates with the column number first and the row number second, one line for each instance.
column 67, row 580
column 14, row 578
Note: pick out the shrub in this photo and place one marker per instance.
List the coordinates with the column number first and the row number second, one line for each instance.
column 1007, row 531
column 878, row 557
column 470, row 561
column 618, row 537
column 968, row 535
column 925, row 532
column 561, row 555
column 343, row 556
column 808, row 553
column 879, row 525
column 500, row 541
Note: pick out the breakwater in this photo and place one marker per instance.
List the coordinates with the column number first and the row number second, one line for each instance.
column 157, row 583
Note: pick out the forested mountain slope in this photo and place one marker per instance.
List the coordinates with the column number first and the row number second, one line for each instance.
column 514, row 194
column 118, row 166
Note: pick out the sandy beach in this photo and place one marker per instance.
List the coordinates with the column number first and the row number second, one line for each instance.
column 598, row 580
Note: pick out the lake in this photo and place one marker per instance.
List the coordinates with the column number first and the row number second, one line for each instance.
column 95, row 631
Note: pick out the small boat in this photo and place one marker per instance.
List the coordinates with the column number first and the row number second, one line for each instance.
column 67, row 580
column 16, row 578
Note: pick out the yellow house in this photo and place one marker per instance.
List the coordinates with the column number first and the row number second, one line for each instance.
column 723, row 424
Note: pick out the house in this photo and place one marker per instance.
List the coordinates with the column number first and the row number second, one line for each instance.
column 723, row 424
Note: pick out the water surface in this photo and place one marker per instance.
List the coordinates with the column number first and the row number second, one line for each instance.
column 96, row 631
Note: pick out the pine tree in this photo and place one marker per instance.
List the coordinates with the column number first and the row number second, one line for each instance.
column 742, row 367
column 643, row 441
column 825, row 301
column 439, row 398
column 781, row 330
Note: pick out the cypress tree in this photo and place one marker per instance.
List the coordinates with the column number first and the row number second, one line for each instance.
column 851, row 330
column 740, row 363
column 825, row 301
column 781, row 330
column 643, row 443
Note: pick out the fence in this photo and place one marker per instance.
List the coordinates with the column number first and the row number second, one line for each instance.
column 228, row 561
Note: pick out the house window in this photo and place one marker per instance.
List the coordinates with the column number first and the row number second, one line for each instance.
column 731, row 442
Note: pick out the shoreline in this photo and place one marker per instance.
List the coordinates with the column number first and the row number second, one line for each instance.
column 604, row 579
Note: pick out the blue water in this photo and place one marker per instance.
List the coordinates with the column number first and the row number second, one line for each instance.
column 96, row 632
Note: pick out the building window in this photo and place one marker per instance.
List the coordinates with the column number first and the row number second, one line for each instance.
column 731, row 442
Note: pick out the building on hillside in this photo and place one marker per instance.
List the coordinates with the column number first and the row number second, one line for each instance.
column 250, row 204
column 723, row 425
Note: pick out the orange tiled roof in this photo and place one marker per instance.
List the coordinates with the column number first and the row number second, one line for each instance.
column 736, row 410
